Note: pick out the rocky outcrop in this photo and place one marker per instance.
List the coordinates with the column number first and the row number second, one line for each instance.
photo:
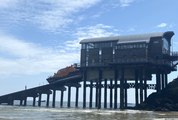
column 165, row 100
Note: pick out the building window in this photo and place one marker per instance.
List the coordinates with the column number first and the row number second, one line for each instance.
column 90, row 45
column 113, row 52
column 86, row 60
column 165, row 44
column 100, row 52
column 83, row 46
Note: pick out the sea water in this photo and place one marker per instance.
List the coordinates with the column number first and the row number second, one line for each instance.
column 43, row 113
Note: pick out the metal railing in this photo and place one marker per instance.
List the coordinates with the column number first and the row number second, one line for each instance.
column 126, row 85
column 174, row 54
column 164, row 62
column 76, row 65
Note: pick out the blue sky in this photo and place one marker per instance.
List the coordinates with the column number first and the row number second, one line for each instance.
column 38, row 37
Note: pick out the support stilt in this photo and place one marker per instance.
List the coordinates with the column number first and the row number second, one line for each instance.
column 25, row 101
column 54, row 98
column 96, row 96
column 145, row 88
column 62, row 95
column 47, row 102
column 39, row 100
column 105, row 93
column 111, row 92
column 162, row 81
column 21, row 102
column 158, row 85
column 141, row 85
column 122, row 89
column 99, row 91
column 76, row 100
column 91, row 94
column 12, row 102
column 115, row 88
column 136, row 87
column 34, row 101
column 166, row 80
column 69, row 96
column 84, row 89
column 125, row 93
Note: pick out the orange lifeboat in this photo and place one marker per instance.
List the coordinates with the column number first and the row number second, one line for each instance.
column 62, row 73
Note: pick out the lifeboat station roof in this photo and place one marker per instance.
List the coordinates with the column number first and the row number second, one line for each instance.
column 130, row 38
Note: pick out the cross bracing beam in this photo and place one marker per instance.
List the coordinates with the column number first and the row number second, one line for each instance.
column 127, row 85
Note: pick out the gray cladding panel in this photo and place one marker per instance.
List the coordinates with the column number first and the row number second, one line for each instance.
column 83, row 57
column 107, row 54
column 93, row 56
column 92, row 74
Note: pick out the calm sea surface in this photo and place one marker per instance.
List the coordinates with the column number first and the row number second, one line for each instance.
column 42, row 113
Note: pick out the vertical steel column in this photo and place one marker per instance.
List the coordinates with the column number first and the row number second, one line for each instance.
column 96, row 95
column 105, row 93
column 47, row 102
column 136, row 87
column 69, row 96
column 34, row 101
column 162, row 81
column 84, row 88
column 91, row 94
column 141, row 85
column 122, row 89
column 115, row 88
column 76, row 100
column 11, row 102
column 145, row 88
column 99, row 91
column 158, row 85
column 21, row 102
column 25, row 101
column 62, row 96
column 166, row 80
column 111, row 92
column 39, row 100
column 54, row 98
column 125, row 93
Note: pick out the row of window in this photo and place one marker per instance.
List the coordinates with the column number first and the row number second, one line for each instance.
column 113, row 44
column 121, row 46
column 130, row 46
column 100, row 52
column 99, row 61
column 98, row 45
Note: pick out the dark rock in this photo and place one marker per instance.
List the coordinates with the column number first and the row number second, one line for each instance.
column 165, row 100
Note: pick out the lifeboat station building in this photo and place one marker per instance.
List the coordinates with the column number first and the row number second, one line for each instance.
column 122, row 62
column 109, row 67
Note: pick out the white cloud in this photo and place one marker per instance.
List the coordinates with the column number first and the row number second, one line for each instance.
column 162, row 25
column 17, row 47
column 50, row 15
column 98, row 30
column 19, row 57
column 22, row 58
column 125, row 3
